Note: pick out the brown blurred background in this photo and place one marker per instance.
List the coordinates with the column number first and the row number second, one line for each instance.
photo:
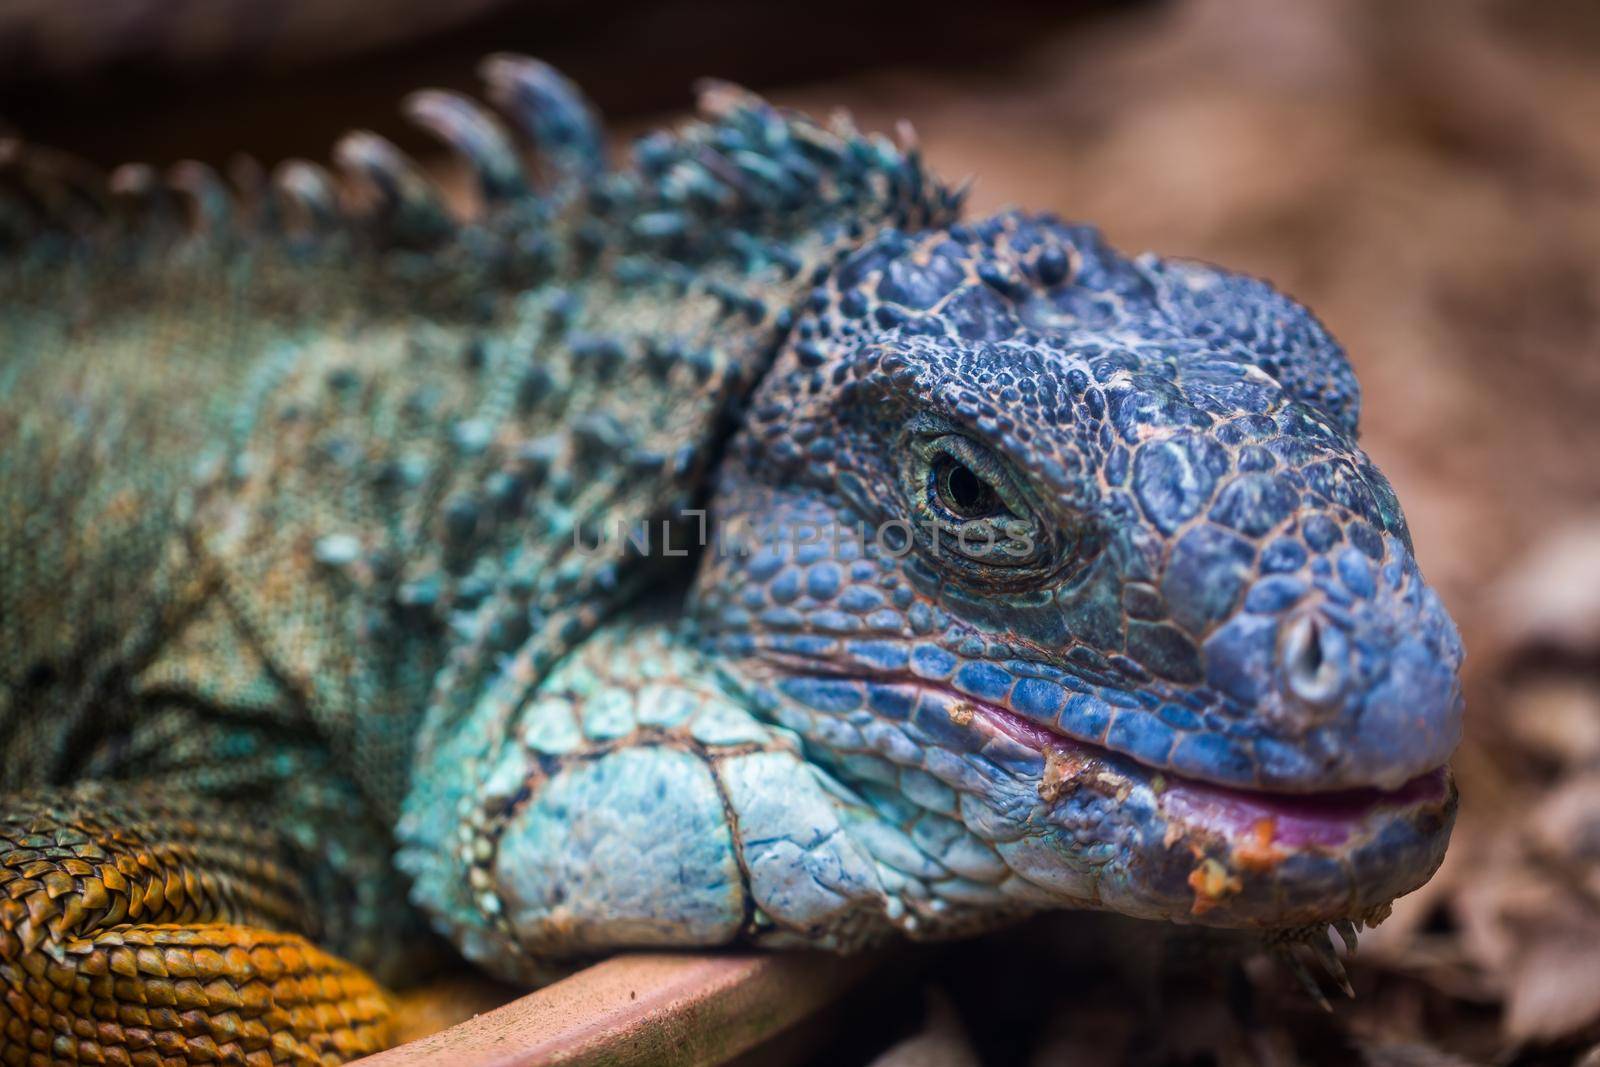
column 1425, row 174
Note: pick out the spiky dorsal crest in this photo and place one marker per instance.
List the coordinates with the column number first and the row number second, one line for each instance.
column 738, row 184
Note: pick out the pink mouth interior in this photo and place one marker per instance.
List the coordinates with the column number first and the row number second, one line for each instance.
column 1293, row 819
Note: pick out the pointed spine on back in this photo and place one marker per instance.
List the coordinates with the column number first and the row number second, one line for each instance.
column 554, row 115
column 737, row 185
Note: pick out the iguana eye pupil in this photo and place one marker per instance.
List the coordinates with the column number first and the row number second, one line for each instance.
column 964, row 493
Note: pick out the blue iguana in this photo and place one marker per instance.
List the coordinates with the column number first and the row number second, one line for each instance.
column 730, row 546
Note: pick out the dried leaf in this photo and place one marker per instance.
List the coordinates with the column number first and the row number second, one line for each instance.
column 1553, row 984
column 1557, row 717
column 1552, row 597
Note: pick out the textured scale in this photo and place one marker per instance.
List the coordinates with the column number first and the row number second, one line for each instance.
column 352, row 576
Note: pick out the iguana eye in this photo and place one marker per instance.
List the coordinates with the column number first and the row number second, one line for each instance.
column 962, row 492
column 965, row 503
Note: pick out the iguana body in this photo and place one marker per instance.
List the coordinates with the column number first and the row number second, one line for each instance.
column 325, row 533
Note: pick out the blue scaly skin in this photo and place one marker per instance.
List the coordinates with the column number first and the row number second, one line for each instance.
column 353, row 555
column 1133, row 625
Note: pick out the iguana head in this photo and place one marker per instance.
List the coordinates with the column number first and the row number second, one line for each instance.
column 1079, row 552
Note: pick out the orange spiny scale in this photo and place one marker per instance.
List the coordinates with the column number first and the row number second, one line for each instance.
column 84, row 1007
column 141, row 1040
column 267, row 963
column 121, row 961
column 172, row 889
column 180, row 964
column 57, row 882
column 256, row 999
column 202, row 1048
column 33, row 963
column 73, row 913
column 253, row 1033
column 60, row 975
column 159, row 992
column 150, row 905
column 163, row 1018
column 133, row 1015
column 328, row 1017
column 31, row 935
column 277, row 1021
column 189, row 995
column 208, row 963
column 193, row 888
column 293, row 959
column 169, row 1043
column 222, row 995
column 224, row 1025
column 116, row 913
column 304, row 1019
column 288, row 993
column 112, row 878
column 149, row 961
column 40, row 907
column 236, row 963
column 286, row 1048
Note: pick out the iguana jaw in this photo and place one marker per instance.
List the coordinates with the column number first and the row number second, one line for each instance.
column 1325, row 816
column 1239, row 835
column 1251, row 857
column 1097, row 828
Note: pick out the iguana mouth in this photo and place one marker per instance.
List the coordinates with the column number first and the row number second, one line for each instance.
column 1245, row 856
column 1186, row 849
column 1304, row 816
column 1295, row 819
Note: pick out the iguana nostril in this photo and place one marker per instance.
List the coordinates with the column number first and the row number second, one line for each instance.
column 1312, row 655
column 1311, row 649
